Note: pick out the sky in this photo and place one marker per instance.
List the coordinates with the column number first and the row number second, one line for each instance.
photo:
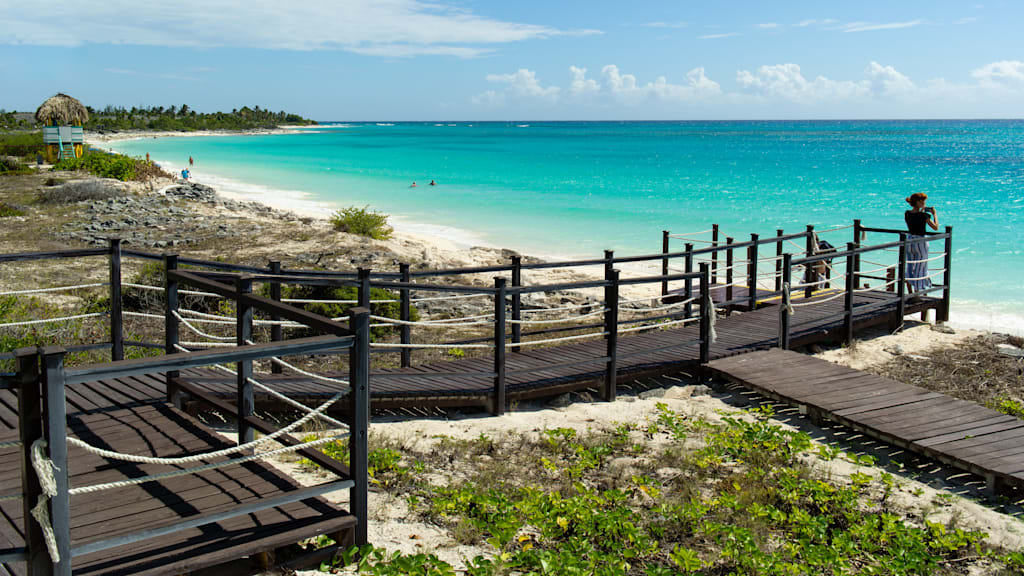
column 523, row 59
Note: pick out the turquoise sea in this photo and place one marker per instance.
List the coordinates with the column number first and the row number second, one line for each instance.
column 576, row 188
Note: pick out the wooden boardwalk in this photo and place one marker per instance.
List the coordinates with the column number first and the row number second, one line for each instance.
column 960, row 433
column 129, row 415
column 542, row 372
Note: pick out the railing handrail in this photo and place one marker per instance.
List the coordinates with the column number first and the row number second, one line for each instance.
column 185, row 360
column 23, row 256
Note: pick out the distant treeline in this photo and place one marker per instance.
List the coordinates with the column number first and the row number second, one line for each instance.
column 171, row 118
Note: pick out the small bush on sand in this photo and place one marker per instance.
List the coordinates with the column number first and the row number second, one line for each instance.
column 362, row 221
column 80, row 191
column 8, row 210
column 101, row 164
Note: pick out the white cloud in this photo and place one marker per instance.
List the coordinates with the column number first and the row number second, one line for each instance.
column 1005, row 72
column 786, row 81
column 580, row 84
column 768, row 25
column 887, row 81
column 805, row 23
column 390, row 28
column 666, row 24
column 719, row 36
column 870, row 26
column 624, row 87
column 967, row 20
column 524, row 83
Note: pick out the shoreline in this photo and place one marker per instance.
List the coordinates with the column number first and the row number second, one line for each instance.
column 966, row 314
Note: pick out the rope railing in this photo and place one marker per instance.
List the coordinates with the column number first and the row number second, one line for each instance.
column 442, row 298
column 815, row 300
column 316, row 301
column 384, row 345
column 657, row 308
column 561, row 308
column 54, row 289
column 161, row 289
column 558, row 320
column 199, row 332
column 551, row 340
column 444, row 323
column 52, row 320
column 659, row 325
column 937, row 257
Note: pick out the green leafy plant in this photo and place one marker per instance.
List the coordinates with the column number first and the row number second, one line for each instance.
column 101, row 164
column 7, row 210
column 362, row 221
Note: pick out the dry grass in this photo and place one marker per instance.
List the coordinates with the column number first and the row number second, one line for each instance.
column 972, row 371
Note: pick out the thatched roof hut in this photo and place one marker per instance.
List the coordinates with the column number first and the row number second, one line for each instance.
column 62, row 110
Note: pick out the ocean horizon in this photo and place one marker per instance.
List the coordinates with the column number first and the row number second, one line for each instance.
column 573, row 189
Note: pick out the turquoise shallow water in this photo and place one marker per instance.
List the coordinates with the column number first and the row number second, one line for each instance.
column 574, row 189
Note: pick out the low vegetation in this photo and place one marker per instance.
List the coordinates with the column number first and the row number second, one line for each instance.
column 672, row 496
column 362, row 221
column 79, row 191
column 6, row 210
column 108, row 165
column 187, row 119
column 22, row 145
column 972, row 370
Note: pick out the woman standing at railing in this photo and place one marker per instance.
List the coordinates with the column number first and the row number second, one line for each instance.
column 917, row 218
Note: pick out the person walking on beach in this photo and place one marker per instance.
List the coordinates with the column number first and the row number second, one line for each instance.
column 917, row 218
column 147, row 157
column 191, row 162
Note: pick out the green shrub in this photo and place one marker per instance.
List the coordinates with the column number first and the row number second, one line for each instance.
column 8, row 210
column 25, row 145
column 101, row 164
column 362, row 221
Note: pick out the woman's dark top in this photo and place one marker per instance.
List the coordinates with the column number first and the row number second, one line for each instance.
column 916, row 221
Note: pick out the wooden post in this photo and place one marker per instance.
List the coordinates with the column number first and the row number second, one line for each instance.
column 787, row 278
column 500, row 294
column 901, row 285
column 857, row 231
column 714, row 254
column 851, row 285
column 611, row 327
column 405, row 314
column 664, row 261
column 517, row 302
column 116, row 305
column 752, row 256
column 359, row 424
column 706, row 310
column 942, row 314
column 728, row 272
column 688, row 293
column 171, row 327
column 276, row 330
column 364, row 290
column 778, row 261
column 56, row 434
column 809, row 274
column 890, row 279
column 30, row 429
column 245, row 403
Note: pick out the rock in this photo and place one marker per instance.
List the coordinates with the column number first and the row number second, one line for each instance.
column 560, row 401
column 667, row 473
column 652, row 393
column 679, row 392
column 943, row 329
column 701, row 390
column 895, row 350
column 584, row 397
column 628, row 398
column 1010, row 350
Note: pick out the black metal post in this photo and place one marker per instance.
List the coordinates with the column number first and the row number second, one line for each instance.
column 778, row 260
column 611, row 327
column 664, row 261
column 171, row 327
column 55, row 432
column 359, row 425
column 363, row 297
column 752, row 255
column 947, row 263
column 787, row 278
column 405, row 314
column 809, row 274
column 517, row 302
column 901, row 284
column 706, row 310
column 276, row 330
column 728, row 272
column 30, row 429
column 714, row 254
column 500, row 294
column 851, row 285
column 116, row 305
column 245, row 403
column 688, row 309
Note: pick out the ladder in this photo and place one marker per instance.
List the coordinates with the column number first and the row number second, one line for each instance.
column 67, row 149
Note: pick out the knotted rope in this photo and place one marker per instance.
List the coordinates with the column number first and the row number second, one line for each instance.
column 41, row 512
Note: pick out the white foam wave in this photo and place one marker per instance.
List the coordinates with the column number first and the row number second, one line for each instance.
column 992, row 317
